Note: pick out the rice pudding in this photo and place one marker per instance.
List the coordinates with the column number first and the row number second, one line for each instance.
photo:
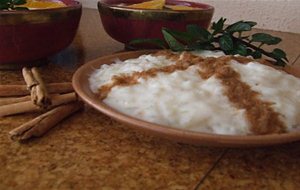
column 202, row 91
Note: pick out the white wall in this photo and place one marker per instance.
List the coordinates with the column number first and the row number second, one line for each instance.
column 281, row 15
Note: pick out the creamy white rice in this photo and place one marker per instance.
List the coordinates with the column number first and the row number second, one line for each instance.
column 274, row 86
column 182, row 99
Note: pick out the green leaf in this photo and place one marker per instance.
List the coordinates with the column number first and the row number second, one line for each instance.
column 265, row 39
column 238, row 27
column 201, row 46
column 251, row 23
column 181, row 36
column 241, row 50
column 156, row 42
column 249, row 51
column 218, row 26
column 172, row 42
column 256, row 54
column 279, row 54
column 19, row 2
column 226, row 43
column 198, row 33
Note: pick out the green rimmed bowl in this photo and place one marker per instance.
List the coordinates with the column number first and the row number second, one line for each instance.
column 125, row 24
column 27, row 37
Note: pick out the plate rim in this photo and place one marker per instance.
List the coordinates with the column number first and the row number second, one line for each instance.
column 171, row 133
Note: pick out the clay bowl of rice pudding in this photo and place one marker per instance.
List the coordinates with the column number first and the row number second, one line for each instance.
column 125, row 20
column 201, row 98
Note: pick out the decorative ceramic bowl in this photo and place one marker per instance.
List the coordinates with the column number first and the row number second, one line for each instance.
column 28, row 36
column 124, row 24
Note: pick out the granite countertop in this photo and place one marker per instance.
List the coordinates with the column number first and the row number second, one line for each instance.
column 91, row 151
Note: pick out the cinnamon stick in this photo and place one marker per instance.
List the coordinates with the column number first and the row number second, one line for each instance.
column 43, row 123
column 12, row 100
column 29, row 79
column 21, row 90
column 39, row 93
column 28, row 106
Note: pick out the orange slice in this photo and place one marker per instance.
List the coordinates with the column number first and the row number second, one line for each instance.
column 35, row 4
column 181, row 8
column 154, row 4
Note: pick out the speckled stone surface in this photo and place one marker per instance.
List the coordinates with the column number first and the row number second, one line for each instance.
column 91, row 151
column 262, row 168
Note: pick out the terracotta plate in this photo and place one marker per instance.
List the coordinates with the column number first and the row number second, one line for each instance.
column 81, row 86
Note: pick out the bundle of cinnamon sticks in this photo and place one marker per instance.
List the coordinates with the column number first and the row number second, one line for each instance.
column 55, row 101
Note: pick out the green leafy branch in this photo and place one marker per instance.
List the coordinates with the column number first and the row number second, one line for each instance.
column 231, row 40
column 12, row 5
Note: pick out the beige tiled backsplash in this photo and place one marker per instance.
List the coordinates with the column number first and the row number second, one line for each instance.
column 281, row 15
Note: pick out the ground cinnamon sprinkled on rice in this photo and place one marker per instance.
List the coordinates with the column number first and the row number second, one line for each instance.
column 262, row 118
column 183, row 63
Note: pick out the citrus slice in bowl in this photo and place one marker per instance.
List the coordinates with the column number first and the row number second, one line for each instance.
column 154, row 4
column 35, row 4
column 181, row 8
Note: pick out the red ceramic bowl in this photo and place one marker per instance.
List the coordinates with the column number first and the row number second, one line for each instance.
column 124, row 24
column 28, row 36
